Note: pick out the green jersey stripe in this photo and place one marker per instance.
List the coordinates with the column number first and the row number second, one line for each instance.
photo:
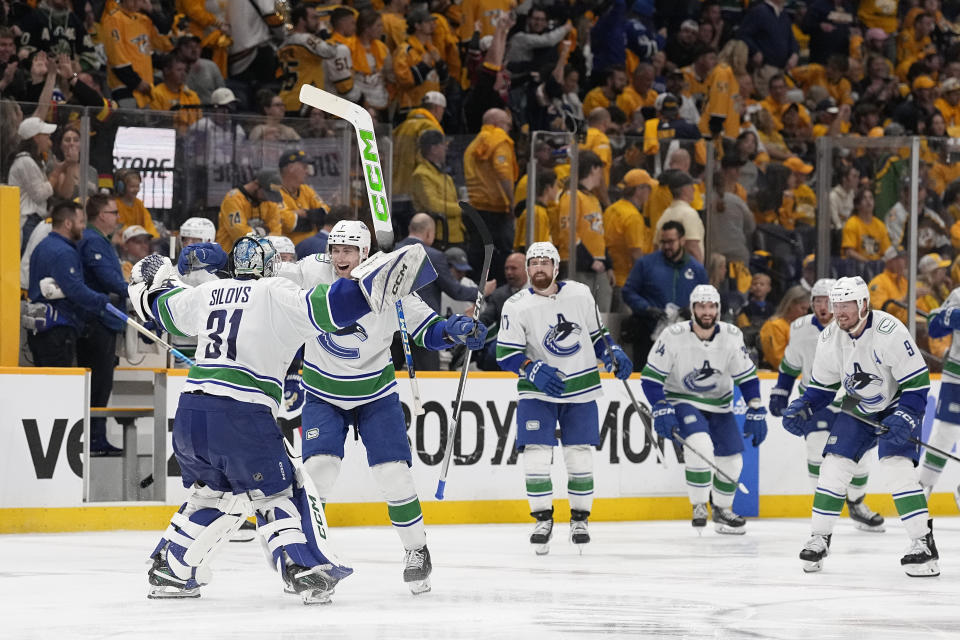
column 236, row 378
column 165, row 318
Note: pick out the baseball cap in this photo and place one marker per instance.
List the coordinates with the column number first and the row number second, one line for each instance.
column 667, row 101
column 457, row 258
column 33, row 126
column 638, row 178
column 222, row 97
column 429, row 138
column 809, row 260
column 923, row 82
column 435, row 98
column 293, row 155
column 876, row 132
column 418, row 15
column 829, row 105
column 950, row 84
column 893, row 252
column 266, row 178
column 930, row 262
column 796, row 164
column 133, row 231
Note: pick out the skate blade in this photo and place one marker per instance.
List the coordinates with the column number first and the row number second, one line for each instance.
column 729, row 531
column 812, row 567
column 929, row 569
column 171, row 593
column 419, row 586
column 861, row 526
column 316, row 596
column 541, row 549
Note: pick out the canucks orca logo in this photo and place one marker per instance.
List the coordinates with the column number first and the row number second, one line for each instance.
column 563, row 338
column 337, row 351
column 699, row 380
column 857, row 385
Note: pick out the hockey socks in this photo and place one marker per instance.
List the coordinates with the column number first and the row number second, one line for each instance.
column 537, row 459
column 831, row 493
column 396, row 485
column 579, row 461
column 698, row 475
column 908, row 495
column 943, row 436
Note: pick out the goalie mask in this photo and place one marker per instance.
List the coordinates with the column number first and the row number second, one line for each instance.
column 704, row 293
column 254, row 257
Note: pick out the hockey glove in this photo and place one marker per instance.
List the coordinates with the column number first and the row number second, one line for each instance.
column 621, row 365
column 466, row 331
column 205, row 256
column 293, row 395
column 545, row 378
column 755, row 424
column 151, row 326
column 665, row 419
column 796, row 416
column 778, row 401
column 40, row 316
column 899, row 427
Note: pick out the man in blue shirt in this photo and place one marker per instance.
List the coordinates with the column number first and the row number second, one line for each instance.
column 97, row 344
column 317, row 243
column 657, row 279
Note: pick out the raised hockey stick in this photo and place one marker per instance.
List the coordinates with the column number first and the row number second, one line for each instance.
column 148, row 334
column 717, row 470
column 411, row 372
column 471, row 214
column 642, row 411
column 369, row 155
column 880, row 427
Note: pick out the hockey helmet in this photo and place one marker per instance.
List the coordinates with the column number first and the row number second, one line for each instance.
column 283, row 245
column 852, row 289
column 544, row 250
column 705, row 293
column 822, row 287
column 351, row 233
column 253, row 256
column 199, row 228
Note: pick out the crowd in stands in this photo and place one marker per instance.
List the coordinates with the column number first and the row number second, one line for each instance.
column 614, row 103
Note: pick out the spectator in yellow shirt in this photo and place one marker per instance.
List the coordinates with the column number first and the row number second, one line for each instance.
column 948, row 104
column 804, row 198
column 173, row 95
column 394, row 23
column 406, row 136
column 598, row 123
column 775, row 332
column 130, row 208
column 299, row 197
column 932, row 291
column 432, row 188
column 607, row 93
column 776, row 102
column 417, row 65
column 640, row 93
column 888, row 290
column 626, row 234
column 253, row 206
column 831, row 77
column 864, row 236
column 547, row 190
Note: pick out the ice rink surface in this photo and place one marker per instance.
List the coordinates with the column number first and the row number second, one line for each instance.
column 636, row 579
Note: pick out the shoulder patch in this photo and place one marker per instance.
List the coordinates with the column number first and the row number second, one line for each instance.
column 886, row 325
column 827, row 332
column 799, row 322
column 677, row 328
column 732, row 329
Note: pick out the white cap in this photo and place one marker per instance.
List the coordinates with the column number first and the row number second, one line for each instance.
column 133, row 231
column 32, row 126
column 435, row 98
column 222, row 96
column 282, row 244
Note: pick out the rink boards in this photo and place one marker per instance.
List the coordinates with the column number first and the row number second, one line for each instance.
column 41, row 461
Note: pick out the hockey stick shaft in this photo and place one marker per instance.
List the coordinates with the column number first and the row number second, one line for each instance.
column 662, row 459
column 148, row 334
column 408, row 354
column 876, row 425
column 474, row 217
column 717, row 470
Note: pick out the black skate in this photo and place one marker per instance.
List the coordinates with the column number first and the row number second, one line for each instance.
column 921, row 559
column 727, row 522
column 864, row 518
column 165, row 585
column 313, row 585
column 579, row 534
column 700, row 514
column 542, row 532
column 813, row 553
column 246, row 532
column 416, row 570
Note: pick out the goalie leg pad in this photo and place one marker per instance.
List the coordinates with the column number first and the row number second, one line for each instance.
column 830, row 496
column 579, row 462
column 387, row 277
column 723, row 491
column 908, row 495
column 815, row 442
column 395, row 481
column 537, row 459
column 943, row 436
column 698, row 474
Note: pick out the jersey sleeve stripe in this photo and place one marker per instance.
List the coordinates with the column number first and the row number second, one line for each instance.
column 740, row 377
column 650, row 372
column 318, row 309
column 166, row 318
column 789, row 369
column 919, row 381
column 654, row 368
column 919, row 371
column 427, row 322
column 501, row 343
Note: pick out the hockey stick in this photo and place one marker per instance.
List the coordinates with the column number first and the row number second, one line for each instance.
column 643, row 415
column 717, row 470
column 880, row 427
column 369, row 155
column 148, row 334
column 411, row 372
column 471, row 213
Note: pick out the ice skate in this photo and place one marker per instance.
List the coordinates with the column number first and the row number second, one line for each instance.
column 864, row 518
column 165, row 585
column 416, row 570
column 700, row 514
column 579, row 534
column 542, row 532
column 813, row 553
column 921, row 559
column 727, row 522
column 313, row 585
column 246, row 532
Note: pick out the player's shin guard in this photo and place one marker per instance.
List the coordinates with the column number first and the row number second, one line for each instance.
column 396, row 485
column 579, row 462
column 816, row 441
column 858, row 483
column 323, row 470
column 828, row 500
column 907, row 494
column 699, row 475
column 724, row 491
column 537, row 459
column 943, row 436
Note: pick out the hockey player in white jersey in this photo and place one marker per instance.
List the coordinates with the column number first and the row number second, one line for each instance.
column 549, row 336
column 349, row 379
column 798, row 361
column 225, row 435
column 872, row 358
column 689, row 378
column 942, row 322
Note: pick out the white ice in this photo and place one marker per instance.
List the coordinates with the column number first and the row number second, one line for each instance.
column 649, row 579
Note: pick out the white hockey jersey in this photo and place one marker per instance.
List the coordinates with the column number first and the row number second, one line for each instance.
column 801, row 349
column 353, row 365
column 247, row 333
column 188, row 345
column 700, row 372
column 873, row 369
column 951, row 362
column 561, row 330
